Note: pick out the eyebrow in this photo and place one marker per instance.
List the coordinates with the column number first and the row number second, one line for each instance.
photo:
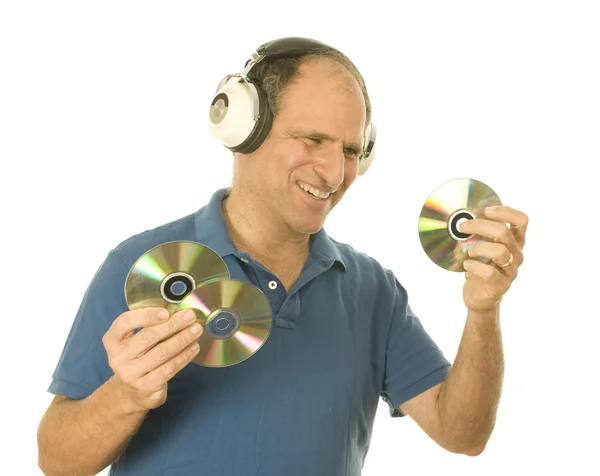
column 321, row 135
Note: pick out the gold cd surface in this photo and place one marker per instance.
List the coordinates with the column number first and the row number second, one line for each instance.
column 452, row 202
column 236, row 317
column 166, row 274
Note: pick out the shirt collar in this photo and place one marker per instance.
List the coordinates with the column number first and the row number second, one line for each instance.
column 324, row 246
column 211, row 231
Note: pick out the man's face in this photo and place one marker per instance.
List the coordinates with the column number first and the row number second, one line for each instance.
column 311, row 156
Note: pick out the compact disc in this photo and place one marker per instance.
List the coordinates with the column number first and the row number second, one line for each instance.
column 166, row 274
column 236, row 317
column 448, row 205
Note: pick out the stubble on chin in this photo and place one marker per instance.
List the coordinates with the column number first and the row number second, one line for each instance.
column 308, row 225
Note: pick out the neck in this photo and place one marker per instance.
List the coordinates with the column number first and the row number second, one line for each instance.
column 255, row 231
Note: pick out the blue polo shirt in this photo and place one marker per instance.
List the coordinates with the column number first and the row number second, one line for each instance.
column 304, row 404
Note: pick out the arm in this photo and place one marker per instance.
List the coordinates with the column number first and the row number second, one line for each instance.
column 460, row 413
column 85, row 436
column 81, row 437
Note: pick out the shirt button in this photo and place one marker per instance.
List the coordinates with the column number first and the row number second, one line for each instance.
column 272, row 285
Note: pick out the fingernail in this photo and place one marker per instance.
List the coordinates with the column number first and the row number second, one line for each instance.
column 463, row 225
column 189, row 316
column 163, row 314
column 489, row 211
column 196, row 328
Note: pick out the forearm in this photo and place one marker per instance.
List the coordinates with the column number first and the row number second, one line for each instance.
column 82, row 437
column 469, row 399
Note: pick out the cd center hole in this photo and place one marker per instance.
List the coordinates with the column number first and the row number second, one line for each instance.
column 457, row 218
column 222, row 324
column 178, row 288
column 459, row 221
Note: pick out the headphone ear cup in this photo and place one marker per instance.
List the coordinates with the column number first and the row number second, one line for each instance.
column 262, row 125
column 231, row 117
column 239, row 116
column 369, row 150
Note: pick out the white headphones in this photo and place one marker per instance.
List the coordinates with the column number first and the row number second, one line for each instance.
column 239, row 114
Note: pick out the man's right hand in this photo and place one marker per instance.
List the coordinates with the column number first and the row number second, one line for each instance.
column 144, row 362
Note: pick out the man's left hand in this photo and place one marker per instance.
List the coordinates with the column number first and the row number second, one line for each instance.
column 486, row 283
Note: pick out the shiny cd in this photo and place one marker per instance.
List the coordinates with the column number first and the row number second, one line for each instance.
column 236, row 317
column 448, row 205
column 166, row 274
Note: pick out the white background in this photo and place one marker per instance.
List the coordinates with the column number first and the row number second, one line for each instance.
column 103, row 110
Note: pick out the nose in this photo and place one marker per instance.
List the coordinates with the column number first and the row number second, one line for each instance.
column 330, row 167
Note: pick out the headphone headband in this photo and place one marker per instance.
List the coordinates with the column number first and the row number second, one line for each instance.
column 283, row 48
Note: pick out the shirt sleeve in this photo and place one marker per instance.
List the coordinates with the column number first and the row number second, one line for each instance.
column 83, row 364
column 414, row 363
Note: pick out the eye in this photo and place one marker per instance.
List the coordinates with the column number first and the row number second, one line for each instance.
column 315, row 140
column 351, row 153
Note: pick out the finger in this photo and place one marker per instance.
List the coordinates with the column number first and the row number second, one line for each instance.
column 150, row 336
column 170, row 347
column 496, row 231
column 496, row 252
column 124, row 325
column 517, row 220
column 489, row 273
column 165, row 372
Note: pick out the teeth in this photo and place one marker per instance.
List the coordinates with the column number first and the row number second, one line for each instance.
column 314, row 191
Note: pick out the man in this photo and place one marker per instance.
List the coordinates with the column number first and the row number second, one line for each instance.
column 343, row 333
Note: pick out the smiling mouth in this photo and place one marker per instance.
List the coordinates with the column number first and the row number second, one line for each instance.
column 314, row 192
